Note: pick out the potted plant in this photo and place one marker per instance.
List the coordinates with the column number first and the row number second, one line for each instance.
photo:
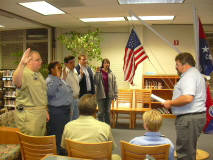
column 87, row 43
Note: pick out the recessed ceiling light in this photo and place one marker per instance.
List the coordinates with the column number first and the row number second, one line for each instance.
column 42, row 7
column 106, row 19
column 153, row 18
column 1, row 26
column 148, row 1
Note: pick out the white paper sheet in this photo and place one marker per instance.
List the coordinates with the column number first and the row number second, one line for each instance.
column 157, row 98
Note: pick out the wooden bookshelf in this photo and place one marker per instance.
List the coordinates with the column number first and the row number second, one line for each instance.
column 162, row 86
column 7, row 90
column 169, row 116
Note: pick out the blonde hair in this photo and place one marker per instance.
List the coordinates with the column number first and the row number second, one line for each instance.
column 153, row 120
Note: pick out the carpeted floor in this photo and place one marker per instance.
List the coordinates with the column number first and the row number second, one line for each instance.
column 122, row 132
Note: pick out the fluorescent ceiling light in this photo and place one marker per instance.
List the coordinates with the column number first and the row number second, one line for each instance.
column 146, row 18
column 102, row 19
column 42, row 7
column 1, row 26
column 153, row 18
column 148, row 1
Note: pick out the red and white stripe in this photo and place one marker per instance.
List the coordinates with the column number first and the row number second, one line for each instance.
column 132, row 59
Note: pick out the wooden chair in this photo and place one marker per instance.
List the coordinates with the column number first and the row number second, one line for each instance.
column 36, row 147
column 135, row 152
column 142, row 103
column 89, row 150
column 123, row 105
column 9, row 135
column 9, row 148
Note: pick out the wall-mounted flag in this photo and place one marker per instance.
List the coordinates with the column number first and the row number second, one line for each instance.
column 134, row 55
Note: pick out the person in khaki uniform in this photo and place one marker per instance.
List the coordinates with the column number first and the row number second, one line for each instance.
column 96, row 131
column 31, row 95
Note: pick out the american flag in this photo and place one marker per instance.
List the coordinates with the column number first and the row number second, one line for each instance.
column 134, row 55
column 205, row 58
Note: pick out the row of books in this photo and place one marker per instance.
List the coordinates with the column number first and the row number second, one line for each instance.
column 153, row 84
column 9, row 102
column 8, row 73
column 163, row 110
column 7, row 90
column 9, row 84
column 10, row 93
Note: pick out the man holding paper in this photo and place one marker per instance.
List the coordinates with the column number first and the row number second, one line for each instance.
column 188, row 104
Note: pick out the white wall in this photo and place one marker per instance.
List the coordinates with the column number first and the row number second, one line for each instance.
column 160, row 54
column 113, row 46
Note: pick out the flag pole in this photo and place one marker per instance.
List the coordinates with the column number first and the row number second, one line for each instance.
column 154, row 31
column 196, row 33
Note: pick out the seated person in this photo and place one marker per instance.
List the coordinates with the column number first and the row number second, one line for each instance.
column 96, row 131
column 152, row 121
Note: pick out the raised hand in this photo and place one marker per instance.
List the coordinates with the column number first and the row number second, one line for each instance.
column 26, row 57
column 18, row 74
column 64, row 74
column 81, row 72
column 98, row 69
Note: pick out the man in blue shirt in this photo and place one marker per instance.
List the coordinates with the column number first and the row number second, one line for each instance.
column 152, row 122
column 188, row 104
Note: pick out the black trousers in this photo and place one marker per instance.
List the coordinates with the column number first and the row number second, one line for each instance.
column 59, row 117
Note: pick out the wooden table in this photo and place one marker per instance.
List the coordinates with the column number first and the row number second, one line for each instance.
column 57, row 157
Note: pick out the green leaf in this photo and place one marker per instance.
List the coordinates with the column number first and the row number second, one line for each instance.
column 88, row 43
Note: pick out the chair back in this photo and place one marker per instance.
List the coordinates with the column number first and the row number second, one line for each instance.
column 97, row 151
column 125, row 98
column 135, row 152
column 36, row 147
column 142, row 96
column 123, row 105
column 9, row 135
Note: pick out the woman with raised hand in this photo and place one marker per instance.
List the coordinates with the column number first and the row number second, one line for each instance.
column 106, row 90
column 60, row 98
